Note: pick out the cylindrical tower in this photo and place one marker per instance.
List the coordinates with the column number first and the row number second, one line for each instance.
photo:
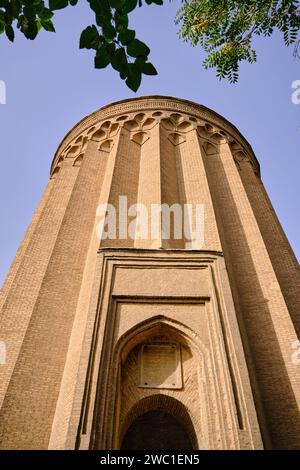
column 154, row 289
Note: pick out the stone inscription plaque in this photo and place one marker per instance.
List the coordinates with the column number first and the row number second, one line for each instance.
column 160, row 366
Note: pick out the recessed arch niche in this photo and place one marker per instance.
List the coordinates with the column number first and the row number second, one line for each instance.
column 124, row 393
column 168, row 420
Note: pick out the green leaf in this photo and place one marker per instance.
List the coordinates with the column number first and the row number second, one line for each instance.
column 119, row 59
column 48, row 26
column 29, row 28
column 102, row 58
column 58, row 4
column 148, row 69
column 32, row 30
column 121, row 21
column 129, row 5
column 126, row 36
column 10, row 32
column 38, row 25
column 29, row 12
column 99, row 20
column 45, row 14
column 137, row 48
column 110, row 47
column 73, row 2
column 101, row 8
column 116, row 3
column 134, row 78
column 89, row 38
column 124, row 72
column 109, row 31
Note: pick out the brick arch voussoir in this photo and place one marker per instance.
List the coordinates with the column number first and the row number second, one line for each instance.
column 162, row 402
column 147, row 328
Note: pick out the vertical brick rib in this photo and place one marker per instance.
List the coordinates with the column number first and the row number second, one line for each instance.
column 121, row 179
column 19, row 257
column 170, row 187
column 20, row 301
column 149, row 182
column 281, row 255
column 66, row 402
column 30, row 401
column 264, row 314
column 196, row 189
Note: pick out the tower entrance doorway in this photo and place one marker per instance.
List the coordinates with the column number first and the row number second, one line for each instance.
column 156, row 430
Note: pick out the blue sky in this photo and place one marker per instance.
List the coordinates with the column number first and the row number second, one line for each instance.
column 51, row 85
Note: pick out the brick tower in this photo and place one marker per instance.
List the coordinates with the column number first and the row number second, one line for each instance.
column 142, row 342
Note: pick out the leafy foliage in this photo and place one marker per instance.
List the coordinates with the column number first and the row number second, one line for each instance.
column 30, row 16
column 226, row 29
column 114, row 43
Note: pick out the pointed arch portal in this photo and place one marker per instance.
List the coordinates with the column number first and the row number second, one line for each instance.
column 158, row 422
column 156, row 430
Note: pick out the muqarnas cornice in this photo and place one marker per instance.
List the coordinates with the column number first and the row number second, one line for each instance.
column 140, row 115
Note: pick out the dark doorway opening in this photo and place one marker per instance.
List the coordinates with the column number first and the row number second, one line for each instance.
column 156, row 430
